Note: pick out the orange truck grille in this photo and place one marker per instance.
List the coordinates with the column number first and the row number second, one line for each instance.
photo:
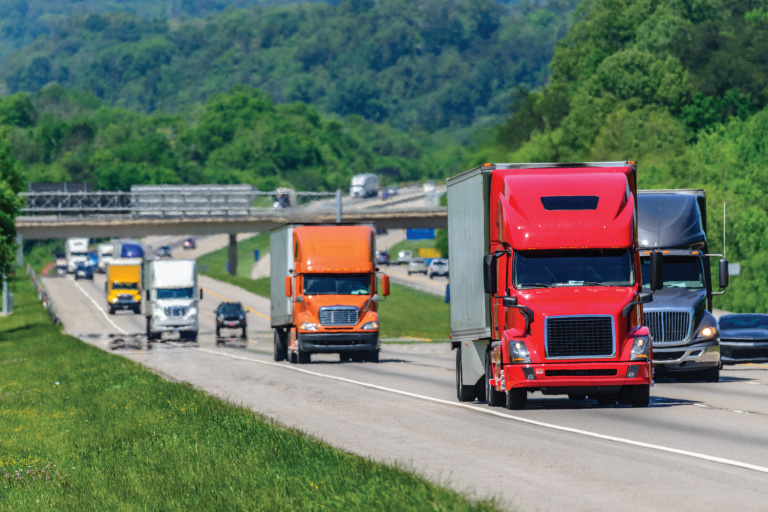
column 338, row 315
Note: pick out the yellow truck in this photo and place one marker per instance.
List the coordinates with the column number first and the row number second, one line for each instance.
column 124, row 285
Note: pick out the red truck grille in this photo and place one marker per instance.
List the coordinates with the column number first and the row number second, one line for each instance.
column 580, row 336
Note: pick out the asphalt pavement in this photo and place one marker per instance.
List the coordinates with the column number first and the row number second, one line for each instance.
column 699, row 446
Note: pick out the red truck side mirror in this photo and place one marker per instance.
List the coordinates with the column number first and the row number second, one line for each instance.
column 385, row 285
column 288, row 291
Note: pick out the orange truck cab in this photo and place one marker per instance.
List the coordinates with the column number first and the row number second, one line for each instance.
column 324, row 292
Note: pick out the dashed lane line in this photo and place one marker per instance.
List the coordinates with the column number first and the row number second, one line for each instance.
column 98, row 307
column 249, row 308
column 491, row 412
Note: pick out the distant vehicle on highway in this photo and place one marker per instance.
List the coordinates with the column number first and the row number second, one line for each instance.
column 388, row 192
column 231, row 315
column 417, row 266
column 404, row 257
column 84, row 270
column 438, row 267
column 382, row 258
column 744, row 338
column 60, row 263
column 189, row 243
column 364, row 185
column 128, row 248
column 93, row 259
column 284, row 198
column 105, row 252
column 163, row 252
column 76, row 251
column 429, row 187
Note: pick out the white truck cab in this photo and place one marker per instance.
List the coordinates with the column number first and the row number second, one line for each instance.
column 171, row 298
column 76, row 250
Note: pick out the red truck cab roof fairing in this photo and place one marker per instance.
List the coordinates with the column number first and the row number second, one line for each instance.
column 606, row 219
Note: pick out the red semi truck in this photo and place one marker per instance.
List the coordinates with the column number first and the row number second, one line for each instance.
column 546, row 291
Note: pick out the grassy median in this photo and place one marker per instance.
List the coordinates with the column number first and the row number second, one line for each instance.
column 87, row 430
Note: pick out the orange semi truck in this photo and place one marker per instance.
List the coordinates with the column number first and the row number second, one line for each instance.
column 324, row 292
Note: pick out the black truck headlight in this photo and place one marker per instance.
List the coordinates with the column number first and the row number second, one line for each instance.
column 518, row 352
column 706, row 333
column 641, row 348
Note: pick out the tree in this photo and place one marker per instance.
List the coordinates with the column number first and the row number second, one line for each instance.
column 11, row 183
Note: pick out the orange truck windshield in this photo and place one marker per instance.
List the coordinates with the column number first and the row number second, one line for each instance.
column 347, row 284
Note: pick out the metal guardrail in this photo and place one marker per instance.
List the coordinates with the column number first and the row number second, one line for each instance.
column 43, row 295
column 174, row 202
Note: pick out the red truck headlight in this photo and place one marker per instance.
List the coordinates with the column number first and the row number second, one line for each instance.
column 518, row 352
column 641, row 349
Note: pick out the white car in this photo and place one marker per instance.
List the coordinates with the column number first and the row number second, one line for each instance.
column 404, row 257
column 429, row 187
column 438, row 267
column 417, row 266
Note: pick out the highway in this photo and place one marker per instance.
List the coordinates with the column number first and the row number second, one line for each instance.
column 699, row 446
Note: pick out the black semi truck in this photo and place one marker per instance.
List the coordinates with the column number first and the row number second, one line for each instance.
column 685, row 336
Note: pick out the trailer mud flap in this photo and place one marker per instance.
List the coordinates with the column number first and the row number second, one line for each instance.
column 473, row 361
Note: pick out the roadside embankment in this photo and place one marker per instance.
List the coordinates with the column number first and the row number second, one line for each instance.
column 89, row 430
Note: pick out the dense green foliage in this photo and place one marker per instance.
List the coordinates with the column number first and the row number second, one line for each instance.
column 11, row 183
column 432, row 63
column 239, row 137
column 89, row 430
column 680, row 87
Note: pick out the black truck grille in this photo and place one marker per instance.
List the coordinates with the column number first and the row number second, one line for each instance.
column 124, row 297
column 668, row 326
column 580, row 336
column 338, row 315
column 175, row 311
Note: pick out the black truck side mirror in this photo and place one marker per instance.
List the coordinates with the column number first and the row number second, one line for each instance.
column 657, row 270
column 489, row 273
column 722, row 266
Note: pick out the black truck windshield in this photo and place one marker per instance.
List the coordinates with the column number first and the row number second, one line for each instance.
column 589, row 267
column 175, row 293
column 679, row 271
column 349, row 284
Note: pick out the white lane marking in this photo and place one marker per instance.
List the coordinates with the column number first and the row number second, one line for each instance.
column 519, row 419
column 101, row 310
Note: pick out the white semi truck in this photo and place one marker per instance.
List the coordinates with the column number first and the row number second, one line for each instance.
column 171, row 298
column 105, row 256
column 76, row 250
column 364, row 185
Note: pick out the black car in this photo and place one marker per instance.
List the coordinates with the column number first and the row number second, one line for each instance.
column 231, row 315
column 84, row 271
column 163, row 252
column 744, row 338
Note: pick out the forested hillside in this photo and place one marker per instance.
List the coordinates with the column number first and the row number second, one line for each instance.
column 431, row 63
column 678, row 86
column 235, row 137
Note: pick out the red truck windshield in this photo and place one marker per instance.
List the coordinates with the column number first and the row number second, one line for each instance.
column 591, row 267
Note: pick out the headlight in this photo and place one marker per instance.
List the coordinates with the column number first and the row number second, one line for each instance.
column 641, row 349
column 220, row 318
column 370, row 326
column 518, row 352
column 112, row 301
column 308, row 326
column 707, row 333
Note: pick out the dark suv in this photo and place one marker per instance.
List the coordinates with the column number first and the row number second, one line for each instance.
column 231, row 315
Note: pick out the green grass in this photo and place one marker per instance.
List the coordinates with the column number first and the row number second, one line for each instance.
column 39, row 253
column 99, row 432
column 216, row 261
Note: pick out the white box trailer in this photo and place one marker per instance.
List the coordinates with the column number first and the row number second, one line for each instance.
column 364, row 185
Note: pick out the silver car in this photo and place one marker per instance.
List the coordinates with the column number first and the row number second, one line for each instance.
column 403, row 257
column 416, row 266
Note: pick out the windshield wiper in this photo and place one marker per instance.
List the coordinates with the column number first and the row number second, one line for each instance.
column 538, row 285
column 591, row 283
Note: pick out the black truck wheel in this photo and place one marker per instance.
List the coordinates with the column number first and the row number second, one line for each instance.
column 302, row 357
column 492, row 397
column 463, row 393
column 281, row 350
column 710, row 374
column 517, row 399
column 372, row 356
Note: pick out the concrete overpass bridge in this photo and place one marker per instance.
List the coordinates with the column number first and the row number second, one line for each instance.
column 121, row 214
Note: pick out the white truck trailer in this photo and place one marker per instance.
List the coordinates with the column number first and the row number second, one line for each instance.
column 76, row 250
column 364, row 185
column 171, row 298
column 105, row 256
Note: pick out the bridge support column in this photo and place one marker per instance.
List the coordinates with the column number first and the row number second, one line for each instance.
column 233, row 254
column 20, row 250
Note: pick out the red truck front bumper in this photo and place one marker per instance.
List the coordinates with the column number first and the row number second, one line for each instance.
column 575, row 375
